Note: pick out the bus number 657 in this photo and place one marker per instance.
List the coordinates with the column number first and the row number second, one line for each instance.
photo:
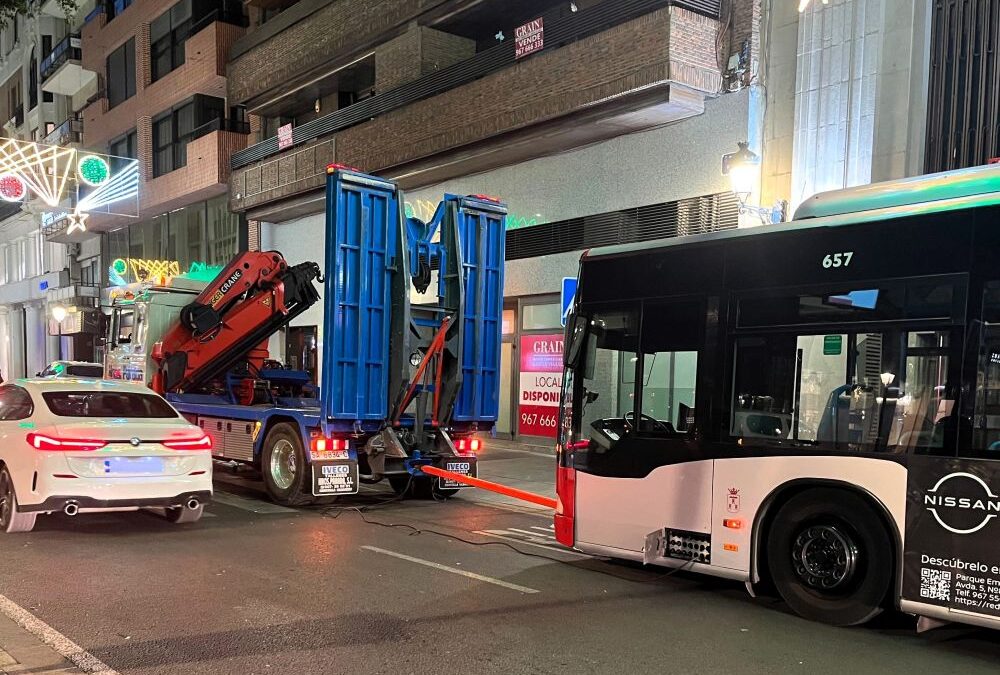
column 837, row 259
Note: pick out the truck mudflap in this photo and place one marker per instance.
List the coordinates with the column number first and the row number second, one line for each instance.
column 334, row 477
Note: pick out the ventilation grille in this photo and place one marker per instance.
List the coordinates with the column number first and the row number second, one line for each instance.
column 695, row 215
column 964, row 100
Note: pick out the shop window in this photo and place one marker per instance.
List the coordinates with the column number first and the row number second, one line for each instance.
column 509, row 322
column 121, row 73
column 541, row 317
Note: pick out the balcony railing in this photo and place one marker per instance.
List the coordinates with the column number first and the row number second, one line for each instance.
column 560, row 30
column 221, row 124
column 67, row 48
column 68, row 132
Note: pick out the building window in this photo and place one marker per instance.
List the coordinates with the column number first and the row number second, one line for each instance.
column 121, row 73
column 32, row 81
column 172, row 131
column 124, row 146
column 167, row 35
column 113, row 8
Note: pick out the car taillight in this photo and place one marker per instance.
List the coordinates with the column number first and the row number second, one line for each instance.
column 203, row 443
column 53, row 444
column 322, row 444
column 468, row 446
column 565, row 505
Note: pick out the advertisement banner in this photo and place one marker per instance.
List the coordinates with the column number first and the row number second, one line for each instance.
column 529, row 38
column 540, row 383
column 951, row 558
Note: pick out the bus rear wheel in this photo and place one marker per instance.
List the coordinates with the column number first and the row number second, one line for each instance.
column 830, row 557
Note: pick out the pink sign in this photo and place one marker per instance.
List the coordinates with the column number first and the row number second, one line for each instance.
column 529, row 38
column 284, row 136
column 540, row 384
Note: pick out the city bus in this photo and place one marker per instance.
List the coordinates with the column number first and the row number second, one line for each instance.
column 811, row 408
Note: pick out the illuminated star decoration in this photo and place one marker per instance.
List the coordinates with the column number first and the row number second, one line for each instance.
column 77, row 221
column 805, row 3
column 122, row 185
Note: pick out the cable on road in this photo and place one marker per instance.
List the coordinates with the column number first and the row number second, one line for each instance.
column 336, row 511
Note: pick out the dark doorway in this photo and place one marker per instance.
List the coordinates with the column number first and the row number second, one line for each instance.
column 300, row 349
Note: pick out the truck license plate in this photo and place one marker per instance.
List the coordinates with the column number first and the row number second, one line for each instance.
column 465, row 466
column 335, row 478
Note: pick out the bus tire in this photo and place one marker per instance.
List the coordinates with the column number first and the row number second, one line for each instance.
column 284, row 467
column 401, row 484
column 830, row 556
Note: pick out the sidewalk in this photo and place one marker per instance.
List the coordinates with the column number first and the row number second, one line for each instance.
column 22, row 652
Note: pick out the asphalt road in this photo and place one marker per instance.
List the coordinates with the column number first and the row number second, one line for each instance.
column 418, row 587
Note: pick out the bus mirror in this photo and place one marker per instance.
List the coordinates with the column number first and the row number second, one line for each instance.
column 588, row 366
column 576, row 332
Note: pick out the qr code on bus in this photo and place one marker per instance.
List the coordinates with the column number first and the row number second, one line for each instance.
column 935, row 584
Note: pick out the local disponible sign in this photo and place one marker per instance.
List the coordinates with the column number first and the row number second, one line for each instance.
column 540, row 384
column 529, row 38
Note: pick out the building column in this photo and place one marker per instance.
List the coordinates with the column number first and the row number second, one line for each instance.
column 36, row 345
column 15, row 327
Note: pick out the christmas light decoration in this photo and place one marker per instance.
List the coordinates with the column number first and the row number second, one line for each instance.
column 77, row 221
column 12, row 188
column 93, row 170
column 123, row 185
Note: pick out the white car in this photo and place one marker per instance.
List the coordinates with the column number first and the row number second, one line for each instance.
column 77, row 446
column 73, row 369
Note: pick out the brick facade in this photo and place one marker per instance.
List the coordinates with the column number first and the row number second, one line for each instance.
column 334, row 34
column 418, row 52
column 625, row 61
column 203, row 72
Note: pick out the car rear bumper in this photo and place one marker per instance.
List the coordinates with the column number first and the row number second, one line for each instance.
column 58, row 503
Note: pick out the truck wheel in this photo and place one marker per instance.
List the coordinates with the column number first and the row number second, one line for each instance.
column 830, row 557
column 284, row 467
column 10, row 520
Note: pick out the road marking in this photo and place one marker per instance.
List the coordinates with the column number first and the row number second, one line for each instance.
column 531, row 534
column 68, row 649
column 497, row 534
column 546, row 455
column 548, row 530
column 252, row 505
column 453, row 570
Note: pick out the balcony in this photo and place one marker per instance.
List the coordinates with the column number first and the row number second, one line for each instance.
column 62, row 72
column 70, row 132
column 605, row 71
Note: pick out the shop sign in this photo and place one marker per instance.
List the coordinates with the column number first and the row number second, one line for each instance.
column 529, row 38
column 951, row 558
column 540, row 384
column 285, row 136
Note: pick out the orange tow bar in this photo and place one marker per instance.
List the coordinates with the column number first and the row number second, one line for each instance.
column 492, row 487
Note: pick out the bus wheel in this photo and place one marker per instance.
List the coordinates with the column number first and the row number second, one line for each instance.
column 284, row 467
column 830, row 557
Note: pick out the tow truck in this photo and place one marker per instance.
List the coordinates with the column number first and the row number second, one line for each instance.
column 410, row 351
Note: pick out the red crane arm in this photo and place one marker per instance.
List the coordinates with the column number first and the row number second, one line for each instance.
column 256, row 295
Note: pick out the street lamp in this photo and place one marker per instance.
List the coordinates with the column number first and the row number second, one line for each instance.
column 59, row 314
column 743, row 169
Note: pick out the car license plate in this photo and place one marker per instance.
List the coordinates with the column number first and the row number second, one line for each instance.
column 335, row 478
column 135, row 466
column 465, row 466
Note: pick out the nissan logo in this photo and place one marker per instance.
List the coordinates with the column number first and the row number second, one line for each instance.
column 962, row 503
column 135, row 442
